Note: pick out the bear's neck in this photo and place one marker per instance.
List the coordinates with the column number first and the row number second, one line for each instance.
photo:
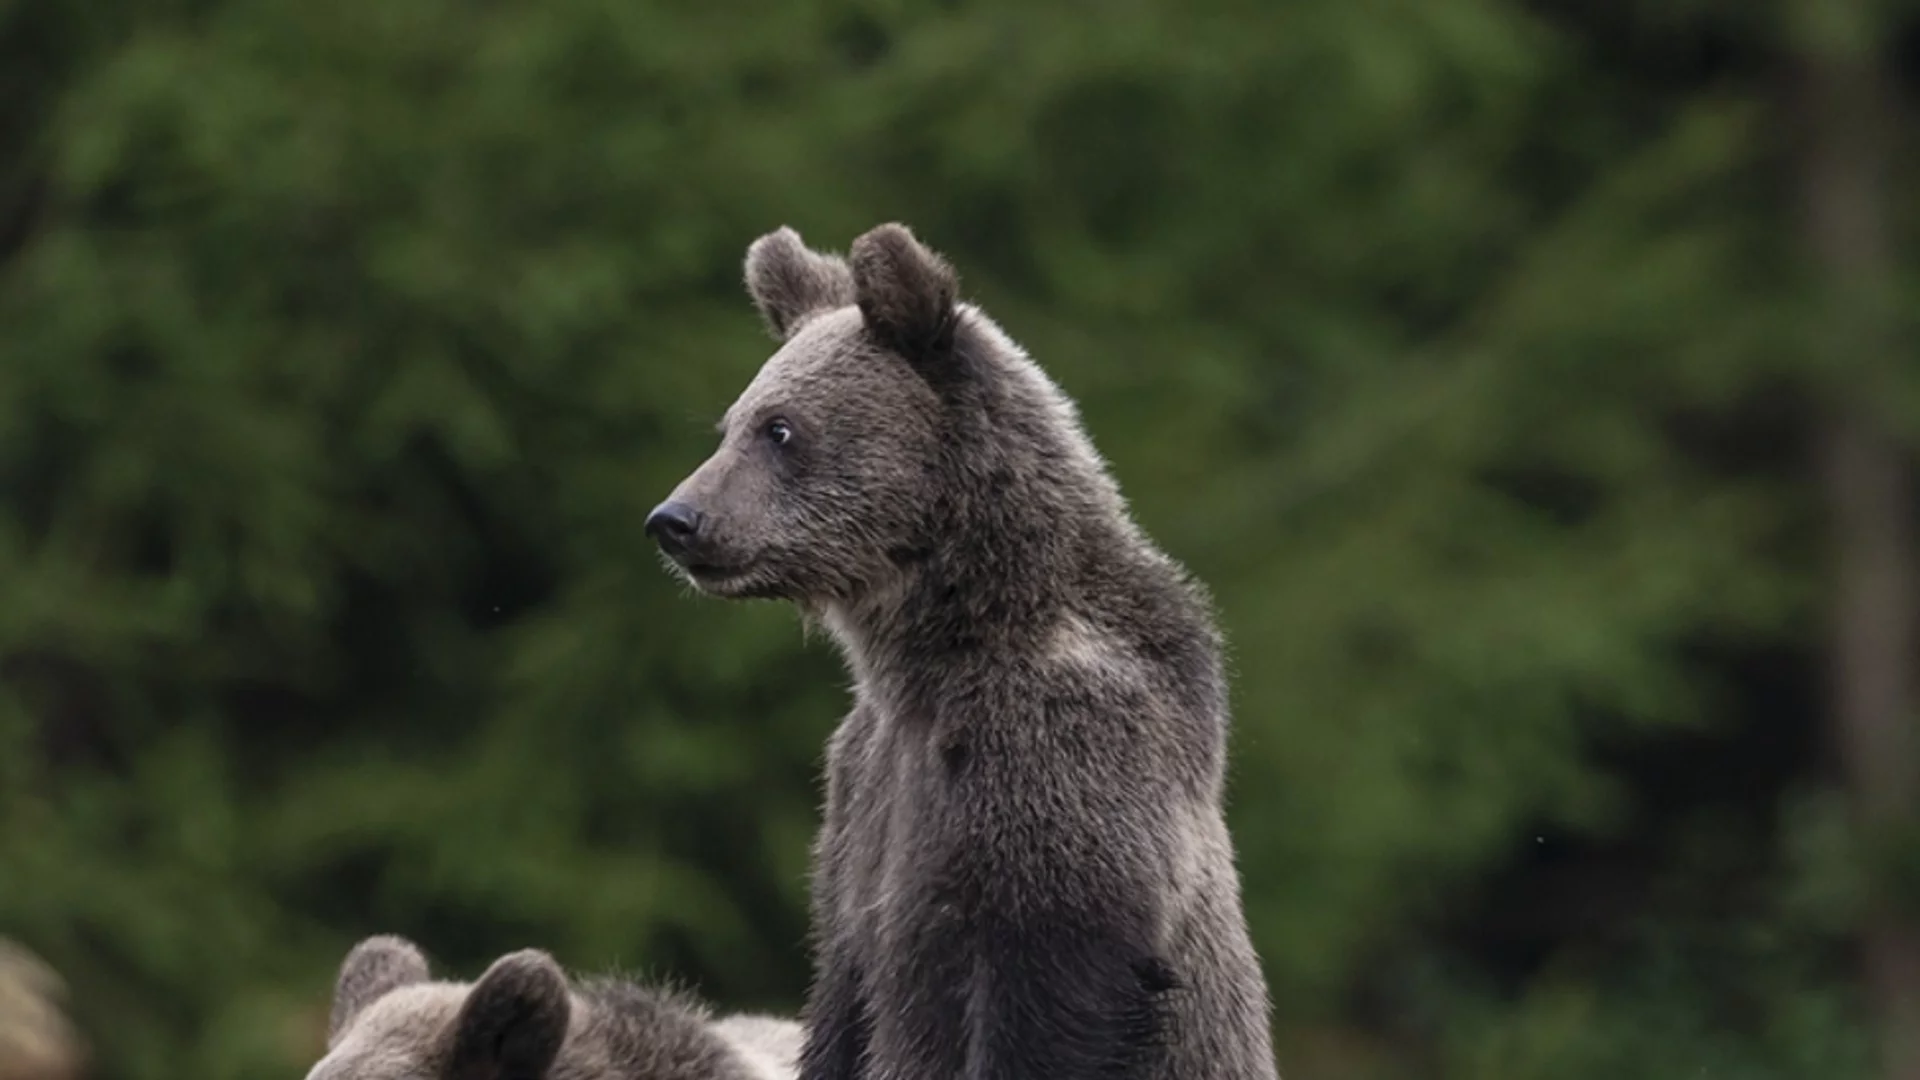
column 1030, row 534
column 986, row 589
column 624, row 1031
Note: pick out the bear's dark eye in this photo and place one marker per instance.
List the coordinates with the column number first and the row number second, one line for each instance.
column 780, row 432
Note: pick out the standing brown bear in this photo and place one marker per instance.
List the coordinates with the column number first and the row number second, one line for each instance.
column 1024, row 869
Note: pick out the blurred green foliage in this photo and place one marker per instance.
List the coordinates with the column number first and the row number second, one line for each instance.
column 1462, row 346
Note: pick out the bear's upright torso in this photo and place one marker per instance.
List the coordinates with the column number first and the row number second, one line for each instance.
column 901, row 770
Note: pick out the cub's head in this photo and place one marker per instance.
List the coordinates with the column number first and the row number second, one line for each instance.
column 830, row 463
column 391, row 1022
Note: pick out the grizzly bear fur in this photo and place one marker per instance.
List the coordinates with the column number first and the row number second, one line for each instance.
column 524, row 1020
column 1024, row 869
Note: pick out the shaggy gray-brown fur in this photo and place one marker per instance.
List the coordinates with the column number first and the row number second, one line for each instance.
column 525, row 1020
column 1023, row 870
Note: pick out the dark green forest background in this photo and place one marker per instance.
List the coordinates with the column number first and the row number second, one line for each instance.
column 1532, row 382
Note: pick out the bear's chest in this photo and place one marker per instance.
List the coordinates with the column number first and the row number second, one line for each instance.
column 899, row 819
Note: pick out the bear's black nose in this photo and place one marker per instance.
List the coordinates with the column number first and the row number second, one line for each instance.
column 673, row 525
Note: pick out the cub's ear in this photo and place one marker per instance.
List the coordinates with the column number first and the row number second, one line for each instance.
column 371, row 970
column 513, row 1022
column 788, row 281
column 906, row 292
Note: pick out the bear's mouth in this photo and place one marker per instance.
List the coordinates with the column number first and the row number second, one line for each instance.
column 708, row 573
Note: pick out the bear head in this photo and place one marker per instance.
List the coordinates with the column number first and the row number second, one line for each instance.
column 391, row 1022
column 820, row 485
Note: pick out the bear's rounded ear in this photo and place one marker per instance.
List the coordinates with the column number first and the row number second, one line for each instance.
column 514, row 1020
column 372, row 969
column 788, row 281
column 905, row 291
